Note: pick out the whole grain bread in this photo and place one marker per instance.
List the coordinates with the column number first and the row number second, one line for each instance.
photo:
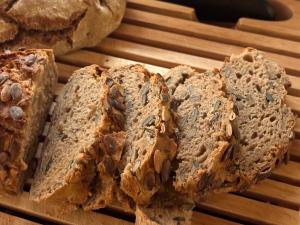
column 167, row 207
column 265, row 123
column 27, row 79
column 58, row 24
column 150, row 144
column 206, row 142
column 84, row 144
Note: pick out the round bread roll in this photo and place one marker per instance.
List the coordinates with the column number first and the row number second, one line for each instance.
column 63, row 25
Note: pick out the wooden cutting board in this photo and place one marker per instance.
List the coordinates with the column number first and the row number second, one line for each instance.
column 161, row 35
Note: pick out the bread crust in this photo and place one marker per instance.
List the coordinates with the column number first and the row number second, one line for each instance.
column 60, row 25
column 26, row 90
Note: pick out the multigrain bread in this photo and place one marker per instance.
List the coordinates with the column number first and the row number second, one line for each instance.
column 265, row 123
column 58, row 24
column 168, row 207
column 150, row 145
column 27, row 79
column 206, row 142
column 84, row 143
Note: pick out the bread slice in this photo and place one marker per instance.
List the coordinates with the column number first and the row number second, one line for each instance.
column 205, row 122
column 150, row 145
column 84, row 143
column 265, row 123
column 26, row 89
column 167, row 207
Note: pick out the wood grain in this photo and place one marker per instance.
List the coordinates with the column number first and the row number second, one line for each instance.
column 194, row 46
column 163, row 8
column 287, row 29
column 6, row 219
column 209, row 32
column 22, row 204
column 251, row 210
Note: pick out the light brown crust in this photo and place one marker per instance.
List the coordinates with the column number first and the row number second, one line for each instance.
column 26, row 77
column 59, row 25
column 45, row 15
column 8, row 30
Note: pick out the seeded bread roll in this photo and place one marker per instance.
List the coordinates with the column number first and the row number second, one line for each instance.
column 265, row 122
column 26, row 89
column 58, row 24
column 84, row 143
column 150, row 145
column 205, row 137
column 168, row 207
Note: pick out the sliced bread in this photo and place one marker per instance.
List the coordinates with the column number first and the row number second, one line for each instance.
column 206, row 141
column 150, row 144
column 27, row 79
column 84, row 143
column 265, row 123
column 168, row 207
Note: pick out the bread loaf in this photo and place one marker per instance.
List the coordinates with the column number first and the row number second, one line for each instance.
column 27, row 79
column 84, row 144
column 58, row 24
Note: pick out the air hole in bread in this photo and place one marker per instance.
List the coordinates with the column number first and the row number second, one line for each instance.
column 258, row 88
column 238, row 75
column 248, row 58
column 254, row 135
column 273, row 118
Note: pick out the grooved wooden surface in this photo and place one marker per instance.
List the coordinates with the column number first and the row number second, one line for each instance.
column 161, row 35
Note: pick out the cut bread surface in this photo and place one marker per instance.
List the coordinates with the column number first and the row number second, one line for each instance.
column 150, row 145
column 205, row 123
column 84, row 143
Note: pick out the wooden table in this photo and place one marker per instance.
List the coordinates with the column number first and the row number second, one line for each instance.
column 161, row 35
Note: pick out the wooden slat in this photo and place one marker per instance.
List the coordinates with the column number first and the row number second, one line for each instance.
column 289, row 173
column 84, row 58
column 277, row 192
column 21, row 203
column 152, row 55
column 65, row 71
column 205, row 219
column 219, row 34
column 251, row 210
column 295, row 150
column 195, row 46
column 6, row 219
column 286, row 29
column 297, row 127
column 294, row 103
column 163, row 8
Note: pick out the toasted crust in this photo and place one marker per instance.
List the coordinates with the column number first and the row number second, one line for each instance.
column 87, row 162
column 26, row 89
column 60, row 25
